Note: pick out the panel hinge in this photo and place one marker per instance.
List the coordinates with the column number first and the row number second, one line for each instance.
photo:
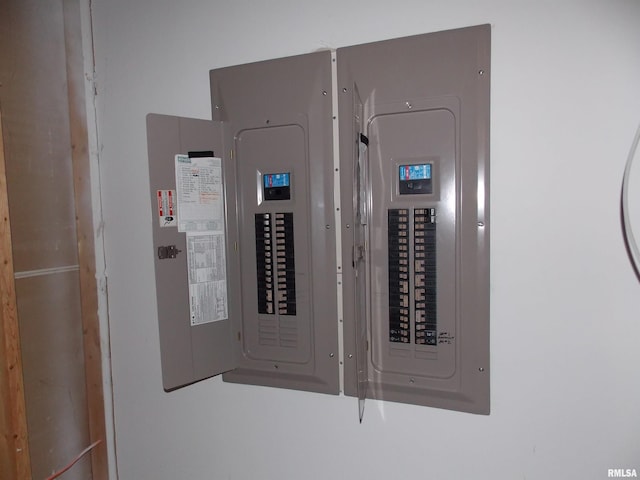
column 170, row 251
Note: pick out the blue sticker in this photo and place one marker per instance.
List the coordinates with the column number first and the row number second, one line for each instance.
column 415, row 172
column 272, row 180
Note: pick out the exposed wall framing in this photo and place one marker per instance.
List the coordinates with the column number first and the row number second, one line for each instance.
column 85, row 234
column 14, row 444
column 51, row 383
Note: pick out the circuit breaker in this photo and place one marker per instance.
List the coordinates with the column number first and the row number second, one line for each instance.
column 248, row 285
column 270, row 136
column 414, row 126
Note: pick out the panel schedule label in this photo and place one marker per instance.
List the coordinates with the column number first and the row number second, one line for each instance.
column 200, row 214
column 200, row 194
column 206, row 264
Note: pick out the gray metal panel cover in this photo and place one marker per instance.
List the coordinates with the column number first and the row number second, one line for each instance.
column 188, row 353
column 426, row 101
column 278, row 119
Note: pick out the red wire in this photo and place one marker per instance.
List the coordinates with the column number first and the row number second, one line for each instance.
column 74, row 461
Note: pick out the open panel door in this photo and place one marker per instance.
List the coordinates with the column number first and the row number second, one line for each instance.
column 189, row 353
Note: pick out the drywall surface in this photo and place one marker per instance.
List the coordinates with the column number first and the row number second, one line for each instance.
column 565, row 326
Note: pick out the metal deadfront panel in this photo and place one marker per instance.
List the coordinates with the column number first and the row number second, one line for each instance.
column 188, row 352
column 278, row 123
column 425, row 119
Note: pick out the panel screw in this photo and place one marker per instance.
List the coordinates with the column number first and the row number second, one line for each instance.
column 409, row 106
column 481, row 224
column 481, row 72
column 324, row 92
column 268, row 121
column 331, row 355
column 351, row 355
column 481, row 369
column 348, row 226
column 327, row 227
column 411, row 380
column 344, row 90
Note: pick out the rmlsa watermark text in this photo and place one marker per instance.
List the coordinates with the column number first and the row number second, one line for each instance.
column 622, row 473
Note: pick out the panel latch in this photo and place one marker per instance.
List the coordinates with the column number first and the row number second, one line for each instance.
column 170, row 251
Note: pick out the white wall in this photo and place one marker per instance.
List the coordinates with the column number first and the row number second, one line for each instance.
column 565, row 303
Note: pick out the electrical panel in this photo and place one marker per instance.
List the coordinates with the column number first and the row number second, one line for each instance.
column 412, row 125
column 270, row 124
column 414, row 139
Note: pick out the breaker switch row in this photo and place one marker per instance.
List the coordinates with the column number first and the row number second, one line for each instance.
column 275, row 263
column 398, row 256
column 264, row 263
column 424, row 276
column 285, row 261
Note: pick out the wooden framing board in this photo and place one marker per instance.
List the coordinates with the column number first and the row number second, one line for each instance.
column 85, row 233
column 15, row 461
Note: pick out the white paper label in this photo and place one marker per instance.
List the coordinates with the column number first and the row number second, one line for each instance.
column 200, row 214
column 200, row 196
column 206, row 263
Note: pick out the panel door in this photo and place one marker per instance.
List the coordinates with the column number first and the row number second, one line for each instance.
column 278, row 125
column 188, row 352
column 426, row 117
